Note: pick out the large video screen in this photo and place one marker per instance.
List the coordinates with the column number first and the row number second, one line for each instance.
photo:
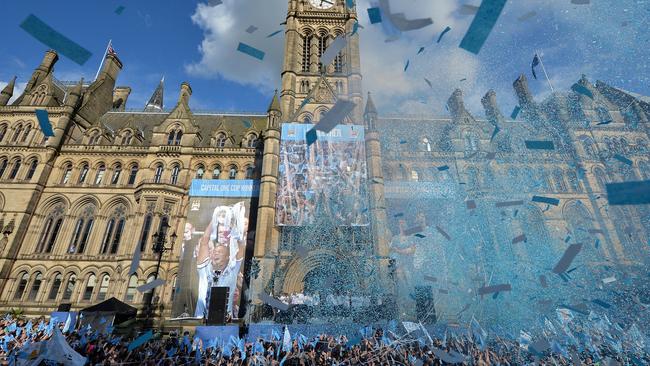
column 326, row 178
column 215, row 239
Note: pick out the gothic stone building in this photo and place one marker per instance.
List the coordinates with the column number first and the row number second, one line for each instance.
column 75, row 207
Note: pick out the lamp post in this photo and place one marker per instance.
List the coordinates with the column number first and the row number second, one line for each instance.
column 159, row 242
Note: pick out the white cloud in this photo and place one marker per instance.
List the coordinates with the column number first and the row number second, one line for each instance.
column 507, row 52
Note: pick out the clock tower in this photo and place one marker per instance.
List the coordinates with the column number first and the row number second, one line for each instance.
column 324, row 257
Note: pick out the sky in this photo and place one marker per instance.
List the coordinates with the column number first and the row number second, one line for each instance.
column 192, row 41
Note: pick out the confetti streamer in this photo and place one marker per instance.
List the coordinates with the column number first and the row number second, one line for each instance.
column 443, row 33
column 57, row 41
column 251, row 51
column 485, row 19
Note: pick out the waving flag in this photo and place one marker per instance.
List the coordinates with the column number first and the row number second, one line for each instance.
column 535, row 63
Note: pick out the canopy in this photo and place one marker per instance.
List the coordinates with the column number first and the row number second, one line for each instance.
column 112, row 306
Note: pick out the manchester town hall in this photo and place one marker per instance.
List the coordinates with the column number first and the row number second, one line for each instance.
column 75, row 207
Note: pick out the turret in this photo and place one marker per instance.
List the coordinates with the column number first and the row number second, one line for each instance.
column 75, row 95
column 523, row 92
column 7, row 92
column 457, row 109
column 186, row 93
column 155, row 103
column 274, row 112
column 492, row 111
column 370, row 114
column 120, row 96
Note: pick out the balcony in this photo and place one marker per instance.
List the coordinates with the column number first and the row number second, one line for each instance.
column 165, row 186
column 169, row 150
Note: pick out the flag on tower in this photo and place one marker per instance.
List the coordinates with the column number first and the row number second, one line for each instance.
column 535, row 63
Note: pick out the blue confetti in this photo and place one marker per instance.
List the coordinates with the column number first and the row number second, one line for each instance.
column 251, row 51
column 515, row 112
column 274, row 33
column 420, row 50
column 57, row 41
column 375, row 15
column 44, row 122
column 443, row 33
column 443, row 168
column 581, row 89
column 629, row 193
column 119, row 10
column 482, row 25
column 540, row 145
column 407, row 65
column 548, row 200
column 623, row 159
column 140, row 340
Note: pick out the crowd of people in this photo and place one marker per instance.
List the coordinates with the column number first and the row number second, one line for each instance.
column 370, row 347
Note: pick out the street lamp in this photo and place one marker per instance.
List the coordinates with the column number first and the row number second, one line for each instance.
column 159, row 241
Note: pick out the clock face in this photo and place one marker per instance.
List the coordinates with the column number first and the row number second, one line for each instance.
column 322, row 4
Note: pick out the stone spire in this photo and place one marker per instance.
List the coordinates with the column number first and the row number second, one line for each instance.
column 492, row 111
column 275, row 103
column 155, row 103
column 370, row 106
column 7, row 92
column 370, row 114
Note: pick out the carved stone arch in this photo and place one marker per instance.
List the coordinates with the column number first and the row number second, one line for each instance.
column 177, row 161
column 319, row 112
column 107, row 270
column 114, row 202
column 52, row 202
column 2, row 201
column 162, row 273
column 156, row 162
column 294, row 277
column 20, row 269
column 175, row 126
column 57, row 268
column 306, row 117
column 95, row 165
column 83, row 276
column 322, row 31
column 307, row 31
column 84, row 201
column 71, row 270
column 337, row 31
column 38, row 268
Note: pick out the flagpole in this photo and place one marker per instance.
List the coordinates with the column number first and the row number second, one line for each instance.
column 544, row 69
column 103, row 58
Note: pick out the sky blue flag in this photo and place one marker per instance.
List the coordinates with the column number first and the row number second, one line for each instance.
column 366, row 332
column 144, row 338
column 259, row 347
column 227, row 350
column 251, row 51
column 171, row 352
column 275, row 335
column 44, row 122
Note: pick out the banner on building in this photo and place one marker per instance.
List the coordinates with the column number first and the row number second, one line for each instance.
column 324, row 178
column 215, row 240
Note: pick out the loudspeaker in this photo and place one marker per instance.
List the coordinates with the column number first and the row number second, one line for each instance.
column 424, row 307
column 64, row 307
column 217, row 308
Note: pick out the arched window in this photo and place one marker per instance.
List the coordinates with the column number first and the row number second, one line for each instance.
column 216, row 172
column 588, row 146
column 158, row 174
column 601, row 178
column 117, row 171
column 90, row 287
column 114, row 230
column 304, row 86
column 323, row 40
column 67, row 173
column 15, row 169
column 220, row 140
column 250, row 172
column 53, row 222
column 173, row 294
column 22, row 285
column 426, row 144
column 94, row 138
column 3, row 132
column 83, row 173
column 306, row 52
column 56, row 286
column 174, row 137
column 146, row 228
column 560, row 183
column 339, row 86
column 603, row 114
column 175, row 171
column 100, row 174
column 147, row 295
column 69, row 287
column 32, row 169
column 130, row 290
column 307, row 119
column 471, row 142
column 36, row 286
column 200, row 171
column 415, row 176
column 338, row 62
column 170, row 137
column 82, row 230
column 232, row 174
column 179, row 135
column 252, row 140
column 126, row 138
column 3, row 166
column 28, row 129
column 19, row 130
column 133, row 174
column 103, row 287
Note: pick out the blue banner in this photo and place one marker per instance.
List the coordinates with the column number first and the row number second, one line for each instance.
column 224, row 188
